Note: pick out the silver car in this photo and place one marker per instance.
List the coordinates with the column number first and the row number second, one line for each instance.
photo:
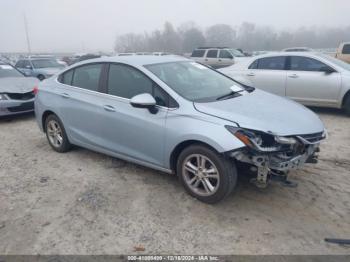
column 16, row 91
column 177, row 116
column 40, row 68
column 312, row 79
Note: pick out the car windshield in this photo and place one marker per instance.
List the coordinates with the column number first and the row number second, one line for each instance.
column 9, row 71
column 236, row 53
column 194, row 81
column 336, row 61
column 45, row 63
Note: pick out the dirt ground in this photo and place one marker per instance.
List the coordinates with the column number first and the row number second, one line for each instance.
column 82, row 202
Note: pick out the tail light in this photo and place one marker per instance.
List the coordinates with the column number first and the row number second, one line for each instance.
column 35, row 90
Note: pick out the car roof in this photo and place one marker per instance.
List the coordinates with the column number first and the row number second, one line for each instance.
column 311, row 53
column 250, row 60
column 137, row 60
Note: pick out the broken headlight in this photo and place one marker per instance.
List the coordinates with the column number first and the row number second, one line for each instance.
column 261, row 141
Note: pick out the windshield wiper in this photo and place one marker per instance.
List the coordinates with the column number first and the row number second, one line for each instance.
column 230, row 95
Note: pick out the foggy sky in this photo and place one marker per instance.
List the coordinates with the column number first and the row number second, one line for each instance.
column 91, row 25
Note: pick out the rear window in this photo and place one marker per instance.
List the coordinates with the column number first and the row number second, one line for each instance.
column 346, row 49
column 198, row 53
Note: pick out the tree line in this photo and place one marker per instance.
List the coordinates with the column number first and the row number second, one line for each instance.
column 247, row 36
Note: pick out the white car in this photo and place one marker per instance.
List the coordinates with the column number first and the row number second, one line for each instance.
column 312, row 79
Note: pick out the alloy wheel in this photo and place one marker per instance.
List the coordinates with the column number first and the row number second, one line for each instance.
column 54, row 133
column 200, row 174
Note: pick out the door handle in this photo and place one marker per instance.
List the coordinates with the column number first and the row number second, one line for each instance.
column 109, row 108
column 65, row 95
column 220, row 60
column 250, row 74
column 293, row 76
column 206, row 59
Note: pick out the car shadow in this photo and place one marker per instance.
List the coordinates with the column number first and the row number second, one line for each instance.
column 329, row 111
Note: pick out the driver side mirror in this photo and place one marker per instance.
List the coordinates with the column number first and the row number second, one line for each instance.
column 144, row 101
column 28, row 67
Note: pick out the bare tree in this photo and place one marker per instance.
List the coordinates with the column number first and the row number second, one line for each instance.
column 247, row 36
column 220, row 35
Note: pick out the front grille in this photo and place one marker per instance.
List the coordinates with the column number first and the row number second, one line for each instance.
column 23, row 107
column 24, row 96
column 313, row 138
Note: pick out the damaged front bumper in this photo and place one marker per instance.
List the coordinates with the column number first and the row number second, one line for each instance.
column 269, row 165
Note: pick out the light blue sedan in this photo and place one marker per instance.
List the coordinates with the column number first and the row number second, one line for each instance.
column 175, row 115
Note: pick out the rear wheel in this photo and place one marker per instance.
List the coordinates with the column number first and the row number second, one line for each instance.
column 205, row 174
column 346, row 105
column 56, row 134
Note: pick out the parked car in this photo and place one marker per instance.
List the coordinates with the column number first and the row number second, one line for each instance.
column 16, row 91
column 297, row 49
column 343, row 52
column 312, row 79
column 175, row 115
column 216, row 57
column 40, row 68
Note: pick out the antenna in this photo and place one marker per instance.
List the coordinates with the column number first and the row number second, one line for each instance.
column 26, row 30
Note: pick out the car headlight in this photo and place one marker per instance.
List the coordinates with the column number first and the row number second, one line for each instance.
column 3, row 97
column 260, row 141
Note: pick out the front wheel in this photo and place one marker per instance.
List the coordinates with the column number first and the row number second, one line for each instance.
column 205, row 174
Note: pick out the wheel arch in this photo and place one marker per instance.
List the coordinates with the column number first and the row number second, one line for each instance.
column 181, row 146
column 44, row 117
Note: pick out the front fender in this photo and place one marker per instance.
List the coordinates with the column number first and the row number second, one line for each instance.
column 206, row 129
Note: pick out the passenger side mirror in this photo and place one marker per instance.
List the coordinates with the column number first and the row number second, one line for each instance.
column 28, row 67
column 143, row 101
column 327, row 70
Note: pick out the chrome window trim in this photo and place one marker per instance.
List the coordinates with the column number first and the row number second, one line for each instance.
column 123, row 99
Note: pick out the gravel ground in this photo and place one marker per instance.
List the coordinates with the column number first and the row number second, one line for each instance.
column 83, row 202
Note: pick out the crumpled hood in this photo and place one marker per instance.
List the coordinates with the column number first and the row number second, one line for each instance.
column 48, row 71
column 265, row 112
column 17, row 84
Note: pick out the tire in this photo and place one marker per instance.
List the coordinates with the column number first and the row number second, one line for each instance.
column 346, row 105
column 56, row 134
column 195, row 177
column 41, row 77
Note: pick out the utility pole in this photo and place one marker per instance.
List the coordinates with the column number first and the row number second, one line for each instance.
column 26, row 30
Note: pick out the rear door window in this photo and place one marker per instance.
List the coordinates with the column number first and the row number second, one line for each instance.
column 213, row 53
column 198, row 53
column 87, row 76
column 346, row 49
column 272, row 63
